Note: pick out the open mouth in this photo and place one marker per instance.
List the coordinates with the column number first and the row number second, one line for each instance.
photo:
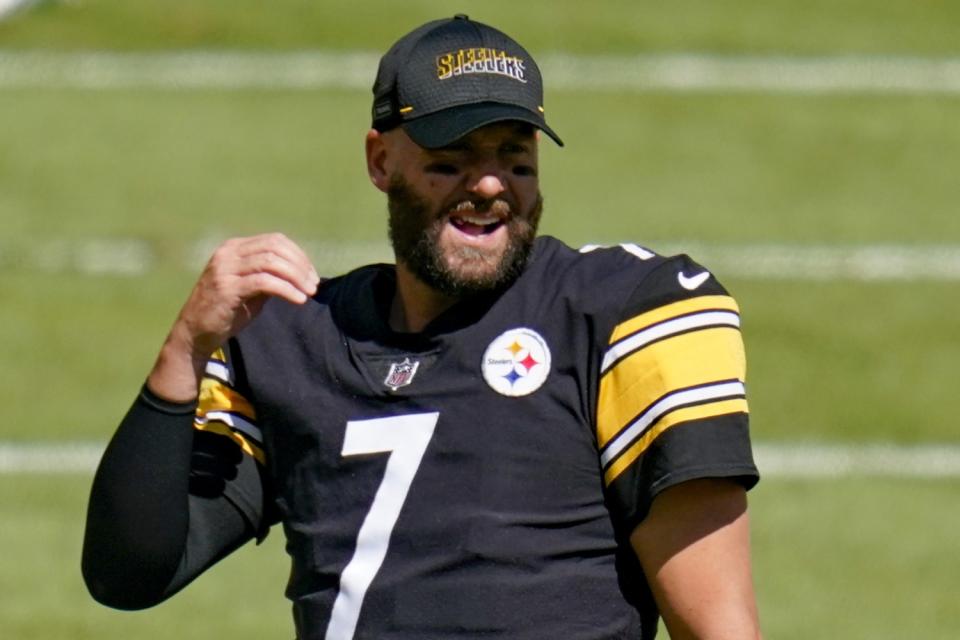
column 476, row 224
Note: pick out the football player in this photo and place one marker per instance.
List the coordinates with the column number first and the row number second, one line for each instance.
column 497, row 436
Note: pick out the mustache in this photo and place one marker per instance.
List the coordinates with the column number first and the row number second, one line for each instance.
column 496, row 206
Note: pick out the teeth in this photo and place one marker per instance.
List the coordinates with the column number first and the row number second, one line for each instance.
column 479, row 220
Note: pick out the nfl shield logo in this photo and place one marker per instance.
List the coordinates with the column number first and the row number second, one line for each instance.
column 401, row 373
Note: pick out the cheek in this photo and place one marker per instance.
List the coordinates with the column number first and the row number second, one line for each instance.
column 527, row 195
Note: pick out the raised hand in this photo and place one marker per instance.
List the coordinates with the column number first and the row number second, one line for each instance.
column 240, row 277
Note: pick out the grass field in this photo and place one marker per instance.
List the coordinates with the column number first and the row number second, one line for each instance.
column 837, row 360
column 774, row 26
column 716, row 168
column 832, row 560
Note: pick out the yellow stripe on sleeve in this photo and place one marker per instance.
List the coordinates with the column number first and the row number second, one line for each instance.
column 686, row 414
column 216, row 396
column 674, row 363
column 673, row 310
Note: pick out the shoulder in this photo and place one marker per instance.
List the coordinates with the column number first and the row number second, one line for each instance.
column 359, row 290
column 352, row 300
column 624, row 279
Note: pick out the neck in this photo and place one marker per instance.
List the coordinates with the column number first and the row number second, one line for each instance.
column 415, row 305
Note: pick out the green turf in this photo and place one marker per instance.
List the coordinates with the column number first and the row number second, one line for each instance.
column 828, row 361
column 170, row 166
column 166, row 165
column 76, row 350
column 835, row 361
column 755, row 168
column 885, row 26
column 853, row 558
column 860, row 559
column 844, row 362
column 44, row 596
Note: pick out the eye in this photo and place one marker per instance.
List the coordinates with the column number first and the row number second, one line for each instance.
column 524, row 170
column 443, row 168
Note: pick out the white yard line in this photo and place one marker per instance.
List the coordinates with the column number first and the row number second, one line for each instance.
column 774, row 460
column 319, row 69
column 135, row 257
column 886, row 460
column 826, row 262
column 737, row 73
column 49, row 458
column 87, row 256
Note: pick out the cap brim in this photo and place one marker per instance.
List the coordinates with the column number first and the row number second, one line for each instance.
column 445, row 127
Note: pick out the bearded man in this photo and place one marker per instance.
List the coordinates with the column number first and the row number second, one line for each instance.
column 497, row 436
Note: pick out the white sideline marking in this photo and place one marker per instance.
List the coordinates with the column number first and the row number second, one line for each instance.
column 740, row 73
column 319, row 69
column 49, row 459
column 88, row 256
column 135, row 257
column 806, row 262
column 774, row 460
column 888, row 460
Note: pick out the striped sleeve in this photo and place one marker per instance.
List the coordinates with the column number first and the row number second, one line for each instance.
column 224, row 411
column 672, row 404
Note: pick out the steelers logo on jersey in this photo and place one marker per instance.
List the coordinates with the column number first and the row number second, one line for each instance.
column 517, row 362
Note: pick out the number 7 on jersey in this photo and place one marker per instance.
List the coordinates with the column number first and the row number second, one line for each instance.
column 405, row 438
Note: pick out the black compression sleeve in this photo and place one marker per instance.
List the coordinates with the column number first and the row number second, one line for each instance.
column 146, row 535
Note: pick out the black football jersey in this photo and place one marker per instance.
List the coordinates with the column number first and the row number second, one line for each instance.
column 480, row 479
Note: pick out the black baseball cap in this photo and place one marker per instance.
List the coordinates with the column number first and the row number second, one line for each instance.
column 449, row 77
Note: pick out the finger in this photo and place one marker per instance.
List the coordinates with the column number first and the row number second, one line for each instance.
column 267, row 284
column 271, row 253
column 278, row 266
column 279, row 244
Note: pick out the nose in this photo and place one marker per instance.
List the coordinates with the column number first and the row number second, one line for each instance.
column 488, row 185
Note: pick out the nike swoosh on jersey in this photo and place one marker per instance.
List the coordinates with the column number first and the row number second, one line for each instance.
column 692, row 282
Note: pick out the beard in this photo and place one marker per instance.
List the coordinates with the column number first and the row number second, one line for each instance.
column 457, row 271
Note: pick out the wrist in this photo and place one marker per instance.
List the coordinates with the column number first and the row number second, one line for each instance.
column 162, row 405
column 178, row 370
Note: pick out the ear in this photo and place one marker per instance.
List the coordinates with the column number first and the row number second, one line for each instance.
column 377, row 160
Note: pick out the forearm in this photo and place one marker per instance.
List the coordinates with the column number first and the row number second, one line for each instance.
column 146, row 535
column 137, row 518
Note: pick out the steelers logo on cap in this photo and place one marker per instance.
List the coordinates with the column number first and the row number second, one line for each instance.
column 517, row 362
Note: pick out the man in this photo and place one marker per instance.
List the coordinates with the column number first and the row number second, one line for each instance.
column 496, row 437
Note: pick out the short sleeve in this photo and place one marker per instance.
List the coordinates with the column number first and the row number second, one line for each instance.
column 224, row 409
column 672, row 403
column 228, row 435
